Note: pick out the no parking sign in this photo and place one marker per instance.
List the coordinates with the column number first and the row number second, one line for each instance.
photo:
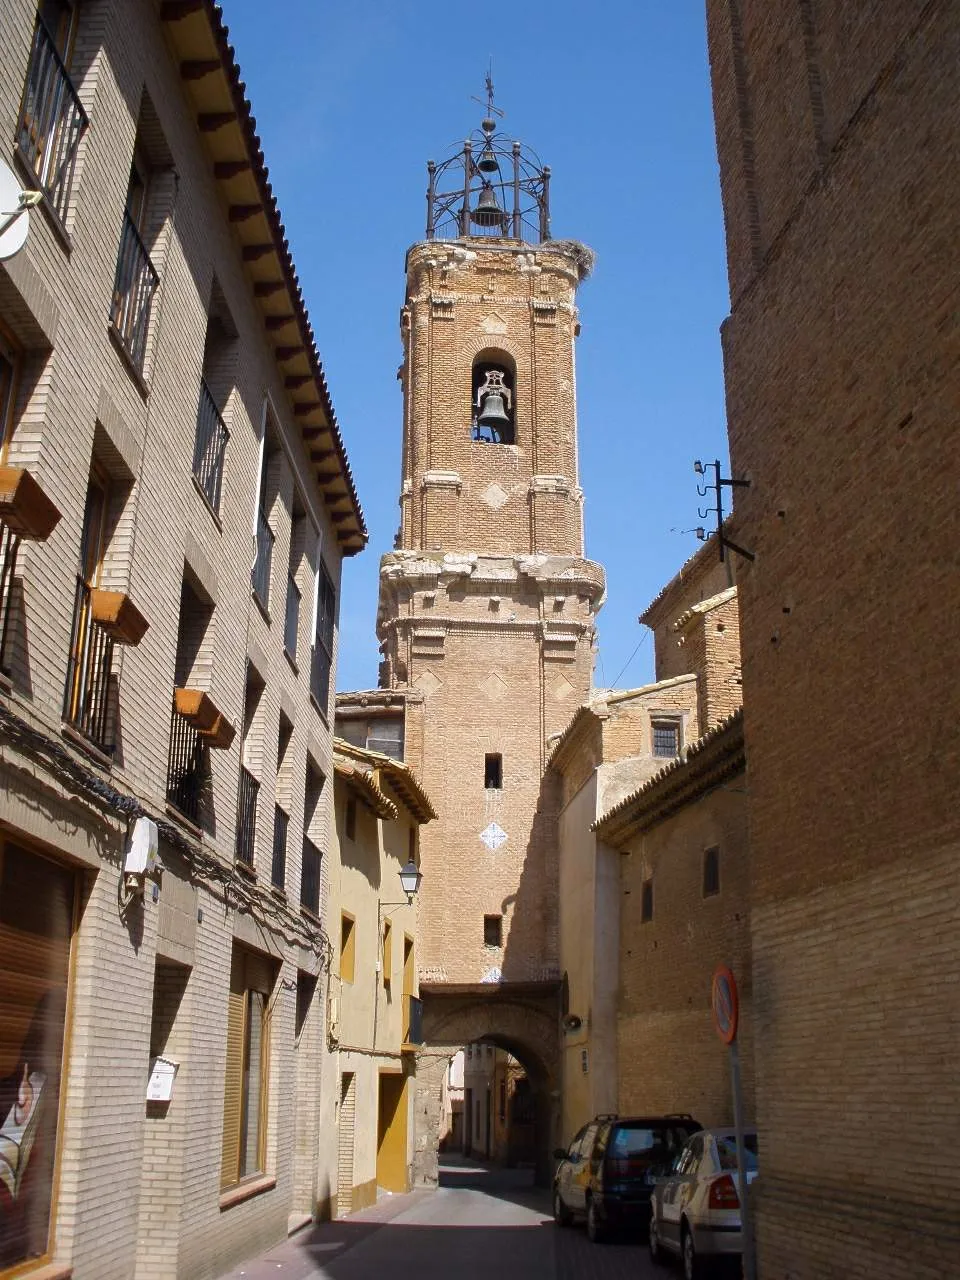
column 726, row 1004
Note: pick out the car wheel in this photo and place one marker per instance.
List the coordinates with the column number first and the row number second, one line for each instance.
column 656, row 1248
column 595, row 1231
column 561, row 1214
column 692, row 1267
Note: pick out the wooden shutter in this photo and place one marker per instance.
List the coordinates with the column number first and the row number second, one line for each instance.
column 233, row 1083
column 348, row 1110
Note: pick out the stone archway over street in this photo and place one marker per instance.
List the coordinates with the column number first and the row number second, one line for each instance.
column 521, row 1017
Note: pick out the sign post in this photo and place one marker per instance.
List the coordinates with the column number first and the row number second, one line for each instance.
column 726, row 1018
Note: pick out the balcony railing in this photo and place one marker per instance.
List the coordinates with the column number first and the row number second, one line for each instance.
column 9, row 546
column 133, row 290
column 412, row 1020
column 310, row 877
column 52, row 121
column 320, row 676
column 86, row 699
column 247, row 797
column 263, row 560
column 186, row 766
column 209, row 447
column 292, row 620
column 278, row 872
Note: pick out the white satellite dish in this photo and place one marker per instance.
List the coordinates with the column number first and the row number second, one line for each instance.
column 15, row 206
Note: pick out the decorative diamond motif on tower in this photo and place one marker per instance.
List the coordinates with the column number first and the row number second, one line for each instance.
column 494, row 686
column 493, row 836
column 494, row 496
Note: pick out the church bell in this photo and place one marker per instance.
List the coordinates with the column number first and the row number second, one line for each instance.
column 493, row 414
column 488, row 213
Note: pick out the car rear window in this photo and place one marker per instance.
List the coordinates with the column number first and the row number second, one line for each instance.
column 727, row 1151
column 644, row 1140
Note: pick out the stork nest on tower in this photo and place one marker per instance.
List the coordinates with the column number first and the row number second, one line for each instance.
column 582, row 254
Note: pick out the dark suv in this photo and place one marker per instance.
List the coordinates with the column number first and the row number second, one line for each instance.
column 607, row 1173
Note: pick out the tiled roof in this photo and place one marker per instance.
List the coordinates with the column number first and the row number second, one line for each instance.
column 366, row 784
column 705, row 606
column 401, row 777
column 713, row 757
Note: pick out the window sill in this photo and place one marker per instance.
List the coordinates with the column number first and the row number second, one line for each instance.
column 246, row 1191
column 6, row 684
column 207, row 503
column 76, row 739
column 59, row 230
column 293, row 662
column 139, row 380
column 184, row 821
column 261, row 606
column 278, row 892
column 320, row 711
column 247, row 868
column 48, row 1271
column 311, row 916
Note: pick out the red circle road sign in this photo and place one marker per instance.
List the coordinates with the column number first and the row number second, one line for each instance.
column 726, row 1004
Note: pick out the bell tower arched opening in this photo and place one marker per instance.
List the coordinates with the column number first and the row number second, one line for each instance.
column 493, row 399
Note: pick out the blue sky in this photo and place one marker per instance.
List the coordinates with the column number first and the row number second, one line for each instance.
column 352, row 99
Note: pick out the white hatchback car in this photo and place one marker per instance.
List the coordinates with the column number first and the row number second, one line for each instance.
column 696, row 1208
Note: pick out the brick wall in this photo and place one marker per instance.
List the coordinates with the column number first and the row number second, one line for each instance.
column 79, row 400
column 839, row 184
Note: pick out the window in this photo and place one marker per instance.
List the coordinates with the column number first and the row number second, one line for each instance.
column 216, row 383
column 387, row 954
column 350, row 819
column 646, row 901
column 52, row 121
column 376, row 733
column 348, row 946
column 248, row 1054
column 493, row 772
column 306, row 989
column 666, row 738
column 9, row 367
column 36, row 926
column 136, row 278
column 711, row 872
column 493, row 931
column 322, row 658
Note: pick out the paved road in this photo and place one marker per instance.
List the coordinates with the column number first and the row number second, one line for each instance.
column 479, row 1224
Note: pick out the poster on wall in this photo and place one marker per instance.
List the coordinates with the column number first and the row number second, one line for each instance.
column 36, row 922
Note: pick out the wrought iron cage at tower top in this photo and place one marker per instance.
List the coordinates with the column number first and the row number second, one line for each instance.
column 493, row 186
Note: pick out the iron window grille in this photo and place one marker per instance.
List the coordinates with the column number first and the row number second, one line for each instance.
column 186, row 766
column 86, row 700
column 248, row 794
column 321, row 659
column 278, row 870
column 52, row 121
column 133, row 288
column 209, row 447
column 310, row 877
column 666, row 739
column 292, row 619
column 9, row 546
column 263, row 560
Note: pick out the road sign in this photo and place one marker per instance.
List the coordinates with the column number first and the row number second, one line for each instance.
column 725, row 1003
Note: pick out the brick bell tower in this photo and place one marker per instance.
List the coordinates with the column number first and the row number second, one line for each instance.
column 487, row 604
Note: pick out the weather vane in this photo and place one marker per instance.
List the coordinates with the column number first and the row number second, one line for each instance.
column 491, row 109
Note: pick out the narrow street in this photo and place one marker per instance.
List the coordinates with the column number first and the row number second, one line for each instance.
column 480, row 1223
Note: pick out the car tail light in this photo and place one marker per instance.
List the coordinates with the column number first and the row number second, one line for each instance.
column 723, row 1194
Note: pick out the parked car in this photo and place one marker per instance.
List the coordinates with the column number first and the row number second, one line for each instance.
column 607, row 1173
column 695, row 1210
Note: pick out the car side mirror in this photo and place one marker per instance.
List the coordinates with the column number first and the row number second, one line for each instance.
column 559, row 1154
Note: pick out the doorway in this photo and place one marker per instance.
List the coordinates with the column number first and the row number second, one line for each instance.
column 392, row 1132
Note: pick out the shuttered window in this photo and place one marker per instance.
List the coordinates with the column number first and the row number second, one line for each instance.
column 248, row 1051
column 36, row 927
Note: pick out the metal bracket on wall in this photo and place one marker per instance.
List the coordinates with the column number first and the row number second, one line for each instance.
column 716, row 488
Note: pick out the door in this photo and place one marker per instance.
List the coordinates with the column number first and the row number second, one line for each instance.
column 392, row 1132
column 348, row 1113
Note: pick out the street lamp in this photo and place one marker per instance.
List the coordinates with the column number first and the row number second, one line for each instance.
column 410, row 877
